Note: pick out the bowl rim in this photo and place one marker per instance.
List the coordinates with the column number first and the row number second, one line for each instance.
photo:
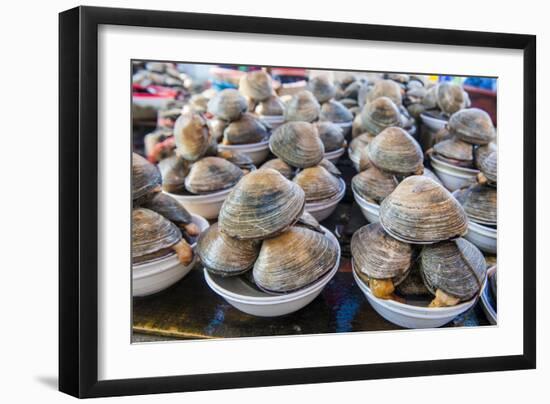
column 279, row 299
column 248, row 147
column 374, row 207
column 335, row 153
column 482, row 229
column 325, row 203
column 429, row 118
column 201, row 197
column 453, row 170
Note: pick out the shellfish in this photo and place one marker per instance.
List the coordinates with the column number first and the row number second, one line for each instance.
column 247, row 129
column 228, row 105
column 317, row 183
column 256, row 85
column 373, row 184
column 297, row 144
column 211, row 174
column 192, row 136
column 395, row 151
column 331, row 135
column 146, row 178
column 322, row 88
column 472, row 125
column 303, row 106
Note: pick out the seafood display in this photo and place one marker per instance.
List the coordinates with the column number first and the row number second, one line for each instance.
column 260, row 152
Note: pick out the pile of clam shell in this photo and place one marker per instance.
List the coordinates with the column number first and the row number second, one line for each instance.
column 418, row 243
column 160, row 225
column 257, row 87
column 263, row 230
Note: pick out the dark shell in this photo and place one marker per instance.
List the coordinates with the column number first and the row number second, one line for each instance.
column 174, row 169
column 331, row 135
column 473, row 126
column 293, row 260
column 482, row 152
column 413, row 284
column 318, row 184
column 479, row 203
column 307, row 220
column 217, row 126
column 373, row 184
column 450, row 98
column 488, row 167
column 263, row 204
column 228, row 105
column 152, row 235
column 358, row 144
column 280, row 166
column 256, row 85
column 395, row 151
column 211, row 174
column 385, row 88
column 168, row 207
column 246, row 130
column 352, row 90
column 273, row 106
column 146, row 177
column 297, row 144
column 455, row 149
column 303, row 106
column 322, row 88
column 455, row 267
column 335, row 111
column 380, row 114
column 378, row 255
column 330, row 167
column 421, row 211
column 226, row 256
column 192, row 136
column 241, row 160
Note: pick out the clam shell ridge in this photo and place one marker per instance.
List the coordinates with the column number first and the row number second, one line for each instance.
column 422, row 211
column 302, row 107
column 145, row 177
column 297, row 144
column 263, row 204
column 228, row 105
column 395, row 151
column 380, row 114
column 280, row 166
column 246, row 130
column 479, row 203
column 322, row 88
column 489, row 167
column 456, row 267
column 211, row 174
column 455, row 149
column 226, row 256
column 256, row 85
column 318, row 184
column 472, row 125
column 378, row 255
column 151, row 233
column 295, row 259
column 374, row 184
column 385, row 88
column 335, row 111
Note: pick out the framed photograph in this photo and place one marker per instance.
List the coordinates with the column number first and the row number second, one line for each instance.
column 251, row 201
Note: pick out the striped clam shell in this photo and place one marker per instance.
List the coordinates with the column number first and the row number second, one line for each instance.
column 228, row 105
column 395, row 151
column 256, row 85
column 480, row 203
column 272, row 106
column 455, row 149
column 297, row 144
column 385, row 88
column 483, row 151
column 174, row 169
column 151, row 234
column 318, row 184
column 450, row 97
column 378, row 255
column 322, row 88
column 422, row 211
column 192, row 136
column 280, row 166
column 226, row 256
column 488, row 167
column 373, row 184
column 472, row 125
column 168, row 207
column 293, row 260
column 146, row 177
column 303, row 106
column 358, row 144
column 335, row 111
column 331, row 135
column 211, row 174
column 380, row 114
column 263, row 204
column 241, row 160
column 456, row 267
column 246, row 130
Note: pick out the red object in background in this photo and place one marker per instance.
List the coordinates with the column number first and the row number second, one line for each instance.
column 139, row 91
column 484, row 99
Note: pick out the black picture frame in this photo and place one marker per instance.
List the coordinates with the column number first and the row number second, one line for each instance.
column 78, row 196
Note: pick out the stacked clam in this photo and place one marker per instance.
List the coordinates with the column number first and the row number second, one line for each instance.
column 197, row 175
column 236, row 129
column 390, row 157
column 454, row 159
column 257, row 87
column 163, row 232
column 418, row 244
column 350, row 90
column 300, row 157
column 265, row 256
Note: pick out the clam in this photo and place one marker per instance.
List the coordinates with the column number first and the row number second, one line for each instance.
column 154, row 236
column 293, row 260
column 211, row 174
column 297, row 144
column 422, row 211
column 488, row 167
column 385, row 88
column 241, row 160
column 322, row 88
column 217, row 126
column 455, row 152
column 430, row 99
column 146, row 178
column 228, row 105
column 335, row 111
column 352, row 90
column 349, row 103
column 358, row 144
column 192, row 136
column 317, row 183
column 331, row 135
column 172, row 210
column 256, row 85
column 272, row 106
column 473, row 126
column 247, row 129
column 362, row 94
column 450, row 98
column 174, row 169
column 280, row 166
column 373, row 184
column 430, row 174
column 379, row 259
column 413, row 284
column 263, row 204
column 480, row 203
column 395, row 151
column 307, row 220
column 483, row 151
column 226, row 256
column 400, row 78
column 198, row 103
column 380, row 114
column 364, row 161
column 303, row 106
column 453, row 271
column 330, row 167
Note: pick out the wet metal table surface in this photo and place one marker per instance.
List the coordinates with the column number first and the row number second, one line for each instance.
column 190, row 309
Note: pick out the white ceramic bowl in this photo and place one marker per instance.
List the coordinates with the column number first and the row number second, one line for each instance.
column 335, row 155
column 370, row 210
column 245, row 297
column 323, row 209
column 411, row 316
column 257, row 152
column 487, row 308
column 484, row 237
column 453, row 177
column 345, row 126
column 207, row 206
column 152, row 277
column 354, row 160
column 274, row 121
column 432, row 123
